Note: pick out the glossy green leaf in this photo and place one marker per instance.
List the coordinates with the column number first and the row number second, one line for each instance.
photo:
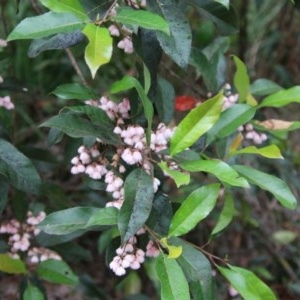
column 99, row 50
column 282, row 98
column 164, row 100
column 270, row 183
column 263, row 87
column 129, row 82
column 76, row 127
column 197, row 269
column 247, row 283
column 95, row 114
column 76, row 91
column 161, row 214
column 271, row 151
column 226, row 3
column 11, row 265
column 226, row 20
column 4, row 189
column 178, row 44
column 173, row 251
column 173, row 283
column 230, row 120
column 44, row 25
column 196, row 123
column 136, row 208
column 72, row 219
column 195, row 208
column 141, row 18
column 58, row 41
column 18, row 169
column 218, row 168
column 226, row 214
column 147, row 79
column 241, row 79
column 180, row 178
column 56, row 271
column 62, row 6
column 32, row 293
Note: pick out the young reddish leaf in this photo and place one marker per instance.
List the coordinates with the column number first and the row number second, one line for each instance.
column 185, row 103
column 174, row 285
column 99, row 50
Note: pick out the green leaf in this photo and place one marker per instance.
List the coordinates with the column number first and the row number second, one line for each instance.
column 99, row 50
column 178, row 44
column 141, row 18
column 196, row 123
column 230, row 120
column 18, row 169
column 32, row 293
column 173, row 251
column 68, row 6
column 241, row 79
column 226, row 214
column 173, row 283
column 282, row 98
column 95, row 114
column 56, row 271
column 180, row 178
column 129, row 82
column 44, row 25
column 226, row 3
column 76, row 91
column 262, row 87
column 195, row 208
column 225, row 19
column 164, row 100
column 11, row 265
column 196, row 268
column 72, row 219
column 4, row 189
column 218, row 168
column 147, row 78
column 139, row 193
column 161, row 214
column 247, row 283
column 284, row 237
column 270, row 183
column 76, row 127
column 58, row 41
column 271, row 151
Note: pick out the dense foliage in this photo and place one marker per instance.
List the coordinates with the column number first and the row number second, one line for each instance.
column 137, row 146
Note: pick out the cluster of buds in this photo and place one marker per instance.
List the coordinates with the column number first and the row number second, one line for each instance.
column 5, row 101
column 126, row 42
column 229, row 99
column 20, row 236
column 133, row 151
column 130, row 256
column 250, row 134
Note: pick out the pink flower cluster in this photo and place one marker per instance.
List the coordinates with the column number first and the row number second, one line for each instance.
column 5, row 101
column 229, row 99
column 251, row 134
column 20, row 236
column 133, row 151
column 129, row 256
